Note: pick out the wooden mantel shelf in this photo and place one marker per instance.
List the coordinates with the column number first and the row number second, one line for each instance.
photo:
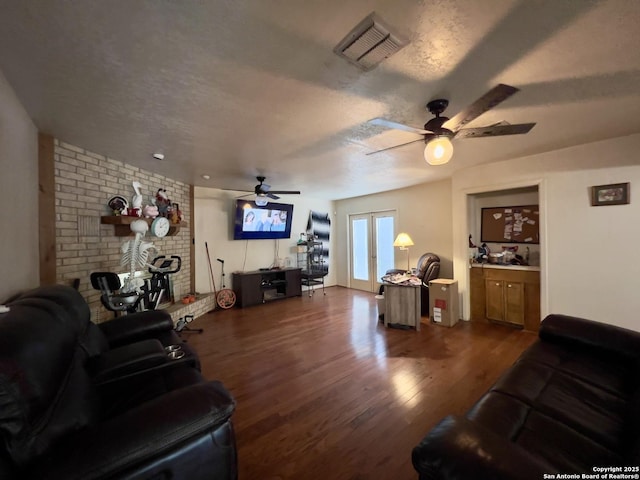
column 122, row 229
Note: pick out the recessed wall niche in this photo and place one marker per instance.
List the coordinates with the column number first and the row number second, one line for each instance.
column 502, row 198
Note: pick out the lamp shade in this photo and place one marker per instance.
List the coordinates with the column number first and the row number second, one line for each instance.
column 261, row 200
column 438, row 151
column 403, row 240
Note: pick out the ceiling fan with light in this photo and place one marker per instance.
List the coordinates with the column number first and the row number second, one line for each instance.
column 439, row 131
column 263, row 192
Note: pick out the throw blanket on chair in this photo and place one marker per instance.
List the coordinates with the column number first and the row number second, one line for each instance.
column 319, row 227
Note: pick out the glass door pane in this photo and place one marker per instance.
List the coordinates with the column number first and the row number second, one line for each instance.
column 359, row 235
column 361, row 249
column 371, row 252
column 384, row 245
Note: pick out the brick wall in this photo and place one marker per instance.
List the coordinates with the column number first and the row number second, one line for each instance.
column 84, row 183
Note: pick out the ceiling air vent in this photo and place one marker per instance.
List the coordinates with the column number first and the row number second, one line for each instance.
column 369, row 43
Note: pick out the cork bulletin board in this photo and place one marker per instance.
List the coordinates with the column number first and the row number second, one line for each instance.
column 519, row 224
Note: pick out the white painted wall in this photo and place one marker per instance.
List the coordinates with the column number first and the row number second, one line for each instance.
column 590, row 259
column 424, row 212
column 19, row 254
column 214, row 213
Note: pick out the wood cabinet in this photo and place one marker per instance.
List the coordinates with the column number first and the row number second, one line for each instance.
column 508, row 295
column 505, row 301
column 402, row 305
column 260, row 286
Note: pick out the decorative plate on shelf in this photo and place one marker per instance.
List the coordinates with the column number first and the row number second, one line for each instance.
column 118, row 203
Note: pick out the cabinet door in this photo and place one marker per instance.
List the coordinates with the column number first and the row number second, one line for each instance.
column 248, row 289
column 478, row 296
column 495, row 299
column 294, row 286
column 514, row 302
column 402, row 305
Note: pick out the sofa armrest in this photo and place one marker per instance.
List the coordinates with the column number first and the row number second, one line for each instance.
column 458, row 449
column 588, row 333
column 140, row 435
column 136, row 326
column 128, row 360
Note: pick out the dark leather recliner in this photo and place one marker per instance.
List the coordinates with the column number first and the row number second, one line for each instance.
column 80, row 401
column 428, row 269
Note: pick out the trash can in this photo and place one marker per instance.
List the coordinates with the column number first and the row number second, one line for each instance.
column 380, row 300
column 443, row 301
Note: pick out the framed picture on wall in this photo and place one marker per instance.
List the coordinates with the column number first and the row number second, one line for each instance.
column 614, row 194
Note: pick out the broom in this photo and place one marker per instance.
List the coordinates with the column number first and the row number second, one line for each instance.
column 213, row 280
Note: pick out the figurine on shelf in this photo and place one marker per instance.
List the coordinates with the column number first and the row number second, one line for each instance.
column 176, row 214
column 150, row 211
column 118, row 205
column 136, row 201
column 162, row 202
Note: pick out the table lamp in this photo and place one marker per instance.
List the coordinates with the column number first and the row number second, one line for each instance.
column 403, row 240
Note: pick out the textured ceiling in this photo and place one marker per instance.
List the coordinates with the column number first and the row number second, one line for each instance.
column 238, row 88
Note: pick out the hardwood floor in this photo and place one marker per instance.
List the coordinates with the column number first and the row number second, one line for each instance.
column 324, row 391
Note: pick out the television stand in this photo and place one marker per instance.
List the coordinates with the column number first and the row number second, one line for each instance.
column 261, row 286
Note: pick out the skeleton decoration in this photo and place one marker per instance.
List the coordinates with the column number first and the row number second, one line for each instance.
column 135, row 254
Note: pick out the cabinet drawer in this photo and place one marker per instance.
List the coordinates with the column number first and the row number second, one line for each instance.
column 522, row 276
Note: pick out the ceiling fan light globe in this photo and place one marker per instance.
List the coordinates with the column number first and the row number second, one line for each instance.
column 438, row 151
column 261, row 200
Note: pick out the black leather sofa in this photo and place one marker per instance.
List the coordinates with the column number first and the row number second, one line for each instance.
column 569, row 405
column 84, row 401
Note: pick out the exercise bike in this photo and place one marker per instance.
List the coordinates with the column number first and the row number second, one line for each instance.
column 151, row 294
column 158, row 285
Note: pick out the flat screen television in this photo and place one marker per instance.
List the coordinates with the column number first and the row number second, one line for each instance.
column 253, row 222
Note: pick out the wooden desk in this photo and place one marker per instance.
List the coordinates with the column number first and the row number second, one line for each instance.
column 402, row 305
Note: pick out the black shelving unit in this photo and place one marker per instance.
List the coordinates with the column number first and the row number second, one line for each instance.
column 312, row 264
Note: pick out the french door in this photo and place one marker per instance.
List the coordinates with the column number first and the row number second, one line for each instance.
column 371, row 248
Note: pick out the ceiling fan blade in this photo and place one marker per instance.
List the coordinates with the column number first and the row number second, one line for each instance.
column 396, row 146
column 286, row 192
column 495, row 130
column 398, row 126
column 486, row 102
column 234, row 190
column 264, row 190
